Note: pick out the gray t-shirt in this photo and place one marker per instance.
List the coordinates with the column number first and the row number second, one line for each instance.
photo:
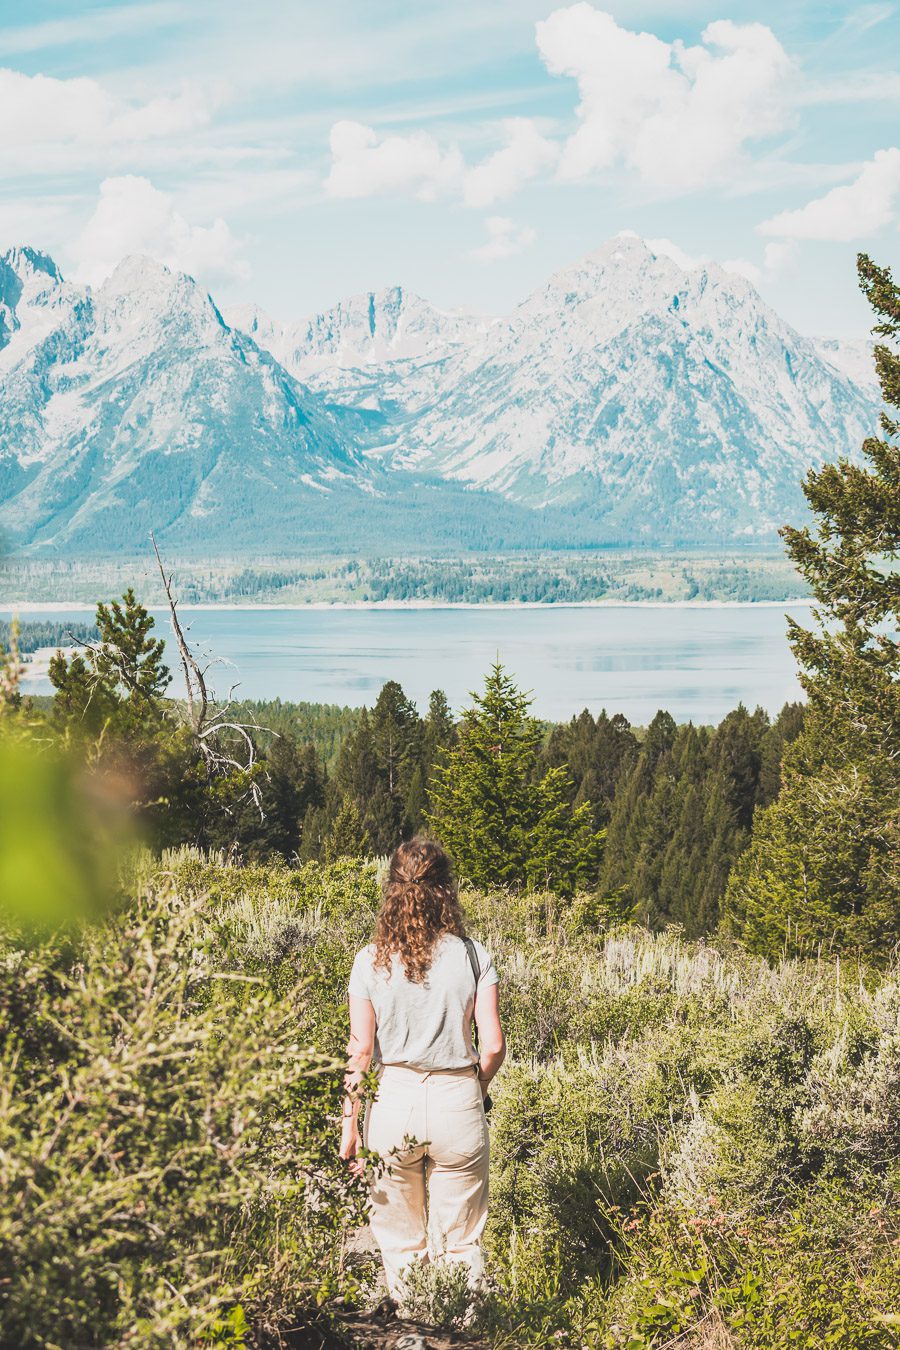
column 427, row 1025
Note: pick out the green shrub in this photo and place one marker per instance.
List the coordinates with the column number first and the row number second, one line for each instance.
column 166, row 1166
column 688, row 1145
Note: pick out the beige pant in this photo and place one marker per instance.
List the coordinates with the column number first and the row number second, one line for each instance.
column 431, row 1201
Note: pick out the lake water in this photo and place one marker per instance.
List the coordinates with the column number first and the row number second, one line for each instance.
column 698, row 661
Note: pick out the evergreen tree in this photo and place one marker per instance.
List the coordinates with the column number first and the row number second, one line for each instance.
column 398, row 741
column 782, row 733
column 119, row 682
column 359, row 779
column 596, row 755
column 438, row 737
column 109, row 697
column 82, row 704
column 794, row 888
column 395, row 725
column 682, row 817
column 440, row 728
column 502, row 820
column 630, row 822
column 347, row 836
column 11, row 670
column 291, row 784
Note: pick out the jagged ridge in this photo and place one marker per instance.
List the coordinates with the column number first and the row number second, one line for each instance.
column 629, row 398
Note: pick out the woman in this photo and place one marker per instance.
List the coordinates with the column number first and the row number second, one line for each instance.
column 413, row 994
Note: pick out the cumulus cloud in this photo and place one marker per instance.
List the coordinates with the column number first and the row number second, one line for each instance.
column 364, row 164
column 133, row 216
column 851, row 211
column 525, row 154
column 679, row 116
column 504, row 239
column 40, row 110
column 777, row 257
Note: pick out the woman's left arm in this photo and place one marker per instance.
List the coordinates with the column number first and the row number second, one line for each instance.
column 360, row 1049
column 491, row 1041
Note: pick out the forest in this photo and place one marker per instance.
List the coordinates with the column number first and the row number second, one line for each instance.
column 524, row 577
column 696, row 1133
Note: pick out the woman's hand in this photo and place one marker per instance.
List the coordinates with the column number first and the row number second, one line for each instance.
column 349, row 1149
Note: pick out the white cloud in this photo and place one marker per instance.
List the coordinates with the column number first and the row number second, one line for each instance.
column 40, row 110
column 678, row 116
column 504, row 239
column 671, row 250
column 133, row 216
column 851, row 211
column 526, row 154
column 362, row 165
column 777, row 256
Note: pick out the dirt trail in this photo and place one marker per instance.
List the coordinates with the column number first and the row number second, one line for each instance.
column 383, row 1330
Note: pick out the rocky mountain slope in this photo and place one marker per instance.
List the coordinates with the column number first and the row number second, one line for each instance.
column 664, row 402
column 627, row 400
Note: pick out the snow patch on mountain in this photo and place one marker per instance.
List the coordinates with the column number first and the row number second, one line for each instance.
column 136, row 406
column 655, row 393
column 634, row 395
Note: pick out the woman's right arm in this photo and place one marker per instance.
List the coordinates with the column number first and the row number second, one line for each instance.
column 360, row 1049
column 491, row 1041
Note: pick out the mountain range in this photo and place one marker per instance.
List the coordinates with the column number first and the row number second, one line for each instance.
column 630, row 400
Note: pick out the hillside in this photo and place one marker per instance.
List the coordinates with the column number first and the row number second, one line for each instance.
column 687, row 1146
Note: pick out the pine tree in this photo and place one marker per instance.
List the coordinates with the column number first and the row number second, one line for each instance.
column 11, row 671
column 782, row 733
column 841, row 777
column 347, row 836
column 398, row 738
column 629, row 823
column 291, row 784
column 596, row 755
column 119, row 682
column 394, row 737
column 438, row 737
column 502, row 820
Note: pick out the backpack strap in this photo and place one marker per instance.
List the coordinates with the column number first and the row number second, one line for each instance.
column 476, row 971
column 473, row 960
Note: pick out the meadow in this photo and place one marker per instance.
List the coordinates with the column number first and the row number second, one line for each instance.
column 690, row 1146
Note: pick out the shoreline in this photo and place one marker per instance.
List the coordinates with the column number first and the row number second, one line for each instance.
column 83, row 607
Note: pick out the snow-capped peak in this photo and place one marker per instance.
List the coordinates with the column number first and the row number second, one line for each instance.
column 371, row 328
column 29, row 265
column 655, row 396
column 143, row 296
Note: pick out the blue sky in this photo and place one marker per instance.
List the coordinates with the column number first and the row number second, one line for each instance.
column 296, row 153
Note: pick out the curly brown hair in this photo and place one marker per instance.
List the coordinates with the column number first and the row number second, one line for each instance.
column 420, row 904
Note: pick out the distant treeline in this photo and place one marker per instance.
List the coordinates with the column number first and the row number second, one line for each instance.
column 324, row 726
column 40, row 633
column 530, row 578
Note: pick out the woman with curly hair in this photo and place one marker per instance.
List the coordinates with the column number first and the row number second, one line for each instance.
column 414, row 993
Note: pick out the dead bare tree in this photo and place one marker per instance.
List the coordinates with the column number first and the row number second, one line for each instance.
column 211, row 722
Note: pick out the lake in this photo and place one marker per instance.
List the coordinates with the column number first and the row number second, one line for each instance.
column 697, row 661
